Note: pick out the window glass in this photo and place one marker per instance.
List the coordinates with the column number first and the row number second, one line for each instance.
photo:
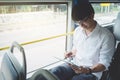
column 26, row 23
column 106, row 12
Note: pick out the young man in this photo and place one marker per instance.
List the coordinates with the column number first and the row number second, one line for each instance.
column 93, row 47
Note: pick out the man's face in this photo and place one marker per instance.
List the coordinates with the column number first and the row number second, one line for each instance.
column 86, row 22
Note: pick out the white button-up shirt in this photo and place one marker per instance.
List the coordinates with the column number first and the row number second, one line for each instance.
column 97, row 47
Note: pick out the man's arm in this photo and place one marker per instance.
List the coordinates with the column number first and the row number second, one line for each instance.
column 97, row 68
column 93, row 69
column 71, row 53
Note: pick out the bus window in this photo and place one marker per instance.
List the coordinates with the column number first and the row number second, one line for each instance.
column 106, row 12
column 41, row 23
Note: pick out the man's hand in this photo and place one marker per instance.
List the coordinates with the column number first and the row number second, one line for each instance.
column 80, row 69
column 69, row 54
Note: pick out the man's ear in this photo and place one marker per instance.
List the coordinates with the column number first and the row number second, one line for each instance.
column 91, row 16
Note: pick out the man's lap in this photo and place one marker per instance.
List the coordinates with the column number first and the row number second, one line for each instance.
column 65, row 72
column 84, row 77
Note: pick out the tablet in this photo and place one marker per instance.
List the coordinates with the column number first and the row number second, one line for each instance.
column 66, row 61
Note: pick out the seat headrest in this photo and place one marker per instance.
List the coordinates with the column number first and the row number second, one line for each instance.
column 116, row 28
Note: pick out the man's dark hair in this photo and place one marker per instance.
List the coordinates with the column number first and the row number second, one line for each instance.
column 82, row 10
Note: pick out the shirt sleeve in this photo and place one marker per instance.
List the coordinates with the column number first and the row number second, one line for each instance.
column 107, row 50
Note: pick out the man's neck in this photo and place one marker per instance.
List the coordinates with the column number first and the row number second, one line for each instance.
column 89, row 30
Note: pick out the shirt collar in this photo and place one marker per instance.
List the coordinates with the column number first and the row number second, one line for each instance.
column 95, row 31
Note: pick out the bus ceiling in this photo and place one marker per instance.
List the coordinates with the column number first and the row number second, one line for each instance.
column 99, row 1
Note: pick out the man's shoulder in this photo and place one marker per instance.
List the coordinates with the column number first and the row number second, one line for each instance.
column 106, row 31
column 78, row 29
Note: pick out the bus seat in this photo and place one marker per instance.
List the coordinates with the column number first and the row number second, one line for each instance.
column 116, row 28
column 114, row 71
column 114, row 68
column 7, row 71
column 115, row 65
column 11, row 69
column 43, row 74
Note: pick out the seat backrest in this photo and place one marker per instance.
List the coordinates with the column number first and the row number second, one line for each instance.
column 115, row 65
column 7, row 71
column 11, row 69
column 114, row 69
column 116, row 28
